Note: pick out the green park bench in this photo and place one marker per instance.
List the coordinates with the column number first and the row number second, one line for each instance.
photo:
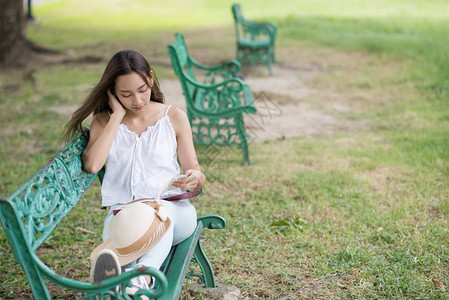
column 215, row 104
column 31, row 213
column 255, row 40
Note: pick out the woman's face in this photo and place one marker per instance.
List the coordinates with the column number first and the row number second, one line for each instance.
column 133, row 92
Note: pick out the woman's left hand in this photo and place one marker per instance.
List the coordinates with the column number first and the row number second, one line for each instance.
column 193, row 180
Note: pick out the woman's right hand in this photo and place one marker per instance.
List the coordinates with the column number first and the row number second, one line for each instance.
column 116, row 106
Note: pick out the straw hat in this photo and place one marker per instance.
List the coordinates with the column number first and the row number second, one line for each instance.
column 134, row 230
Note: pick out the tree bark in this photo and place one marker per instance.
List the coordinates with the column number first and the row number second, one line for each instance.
column 15, row 49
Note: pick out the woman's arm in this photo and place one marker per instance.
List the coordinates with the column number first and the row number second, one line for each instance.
column 102, row 133
column 186, row 152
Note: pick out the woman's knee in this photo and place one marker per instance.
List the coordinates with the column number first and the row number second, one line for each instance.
column 185, row 226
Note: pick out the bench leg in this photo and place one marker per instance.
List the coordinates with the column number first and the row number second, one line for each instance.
column 263, row 56
column 244, row 147
column 237, row 55
column 270, row 69
column 208, row 278
column 206, row 268
column 267, row 59
column 21, row 252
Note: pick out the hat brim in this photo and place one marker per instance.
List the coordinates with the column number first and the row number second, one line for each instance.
column 133, row 252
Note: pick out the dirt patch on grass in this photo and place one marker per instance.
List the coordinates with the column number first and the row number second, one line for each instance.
column 282, row 103
column 283, row 107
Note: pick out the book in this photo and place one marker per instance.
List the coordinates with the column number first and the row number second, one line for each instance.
column 166, row 187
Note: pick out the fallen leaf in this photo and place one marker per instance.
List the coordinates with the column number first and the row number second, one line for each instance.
column 438, row 284
column 84, row 230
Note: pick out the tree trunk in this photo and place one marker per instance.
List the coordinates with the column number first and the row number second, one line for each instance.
column 15, row 49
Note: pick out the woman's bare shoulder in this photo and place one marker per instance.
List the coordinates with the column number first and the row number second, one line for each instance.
column 176, row 114
column 178, row 119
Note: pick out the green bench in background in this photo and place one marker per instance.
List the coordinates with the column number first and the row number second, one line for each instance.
column 31, row 213
column 215, row 104
column 255, row 40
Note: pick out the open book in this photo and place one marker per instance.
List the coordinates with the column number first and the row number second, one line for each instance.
column 166, row 187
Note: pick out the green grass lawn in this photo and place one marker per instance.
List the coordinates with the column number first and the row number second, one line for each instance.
column 359, row 213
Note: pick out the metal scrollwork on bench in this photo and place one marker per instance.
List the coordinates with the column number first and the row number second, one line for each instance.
column 45, row 199
column 214, row 107
column 31, row 213
column 192, row 273
column 214, row 131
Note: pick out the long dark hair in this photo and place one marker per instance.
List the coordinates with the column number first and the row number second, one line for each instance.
column 122, row 63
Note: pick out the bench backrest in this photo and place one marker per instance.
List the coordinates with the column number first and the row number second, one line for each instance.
column 238, row 20
column 237, row 13
column 178, row 50
column 183, row 67
column 39, row 205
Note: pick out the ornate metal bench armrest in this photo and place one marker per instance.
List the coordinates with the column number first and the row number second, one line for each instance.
column 237, row 81
column 213, row 221
column 251, row 23
column 106, row 285
column 217, row 73
column 231, row 65
column 256, row 31
column 222, row 100
column 259, row 28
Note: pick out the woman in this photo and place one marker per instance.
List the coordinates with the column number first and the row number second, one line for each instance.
column 141, row 140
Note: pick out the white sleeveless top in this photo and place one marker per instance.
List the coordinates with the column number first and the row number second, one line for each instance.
column 137, row 166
